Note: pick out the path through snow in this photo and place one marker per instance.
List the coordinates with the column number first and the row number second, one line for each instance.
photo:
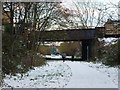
column 58, row 74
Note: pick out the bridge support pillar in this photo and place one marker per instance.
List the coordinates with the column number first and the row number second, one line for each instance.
column 88, row 49
column 93, row 48
column 84, row 50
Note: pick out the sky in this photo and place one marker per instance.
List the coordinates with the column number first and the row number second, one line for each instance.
column 68, row 3
column 110, row 3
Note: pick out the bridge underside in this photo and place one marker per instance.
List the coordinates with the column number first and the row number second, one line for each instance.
column 86, row 36
column 88, row 49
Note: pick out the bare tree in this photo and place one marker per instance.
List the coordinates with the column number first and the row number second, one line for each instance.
column 89, row 14
column 27, row 20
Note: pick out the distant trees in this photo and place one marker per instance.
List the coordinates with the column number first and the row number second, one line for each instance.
column 45, row 50
column 70, row 48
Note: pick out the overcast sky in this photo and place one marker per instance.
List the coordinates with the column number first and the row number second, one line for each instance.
column 113, row 1
column 68, row 3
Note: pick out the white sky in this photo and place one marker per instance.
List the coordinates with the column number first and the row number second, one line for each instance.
column 68, row 3
column 113, row 1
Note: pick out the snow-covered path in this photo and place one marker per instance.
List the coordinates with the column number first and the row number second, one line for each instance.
column 84, row 76
column 67, row 75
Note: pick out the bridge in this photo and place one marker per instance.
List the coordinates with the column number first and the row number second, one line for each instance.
column 88, row 38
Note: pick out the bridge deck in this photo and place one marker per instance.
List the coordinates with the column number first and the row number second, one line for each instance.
column 69, row 35
column 77, row 34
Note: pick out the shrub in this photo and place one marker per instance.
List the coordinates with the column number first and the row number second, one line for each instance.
column 70, row 48
column 44, row 50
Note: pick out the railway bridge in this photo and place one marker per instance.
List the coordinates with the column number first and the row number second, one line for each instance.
column 88, row 38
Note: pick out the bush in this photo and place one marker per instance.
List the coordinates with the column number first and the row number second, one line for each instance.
column 70, row 48
column 16, row 54
column 46, row 50
column 109, row 56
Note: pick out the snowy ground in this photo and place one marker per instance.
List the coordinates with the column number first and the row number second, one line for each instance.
column 66, row 75
column 109, row 40
column 89, row 75
column 55, row 56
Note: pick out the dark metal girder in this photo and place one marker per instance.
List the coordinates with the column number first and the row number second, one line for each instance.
column 69, row 35
column 112, row 35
